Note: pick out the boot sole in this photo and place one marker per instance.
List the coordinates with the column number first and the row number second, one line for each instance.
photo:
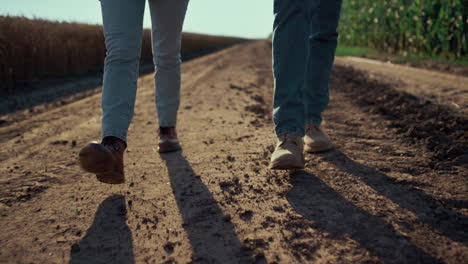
column 111, row 178
column 94, row 158
column 165, row 148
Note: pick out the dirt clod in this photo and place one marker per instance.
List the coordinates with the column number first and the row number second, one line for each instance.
column 246, row 215
column 169, row 247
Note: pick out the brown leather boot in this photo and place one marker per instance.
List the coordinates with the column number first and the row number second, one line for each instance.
column 168, row 141
column 105, row 160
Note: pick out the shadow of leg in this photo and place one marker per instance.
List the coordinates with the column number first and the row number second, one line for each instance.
column 333, row 214
column 446, row 221
column 211, row 233
column 109, row 239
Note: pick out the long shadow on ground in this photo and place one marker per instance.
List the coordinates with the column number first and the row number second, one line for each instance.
column 109, row 239
column 209, row 230
column 428, row 209
column 333, row 214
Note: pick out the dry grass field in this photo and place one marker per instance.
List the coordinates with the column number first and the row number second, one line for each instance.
column 32, row 50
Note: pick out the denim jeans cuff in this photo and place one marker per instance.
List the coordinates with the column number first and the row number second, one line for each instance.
column 121, row 135
column 314, row 120
column 296, row 131
column 167, row 124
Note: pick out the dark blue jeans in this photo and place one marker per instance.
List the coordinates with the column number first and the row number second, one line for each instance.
column 304, row 44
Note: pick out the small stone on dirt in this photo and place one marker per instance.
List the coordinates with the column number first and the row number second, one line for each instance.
column 59, row 142
column 258, row 99
column 70, row 164
column 169, row 247
column 235, row 87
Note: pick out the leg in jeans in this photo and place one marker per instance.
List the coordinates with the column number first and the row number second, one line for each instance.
column 123, row 24
column 167, row 18
column 324, row 16
column 304, row 43
column 290, row 44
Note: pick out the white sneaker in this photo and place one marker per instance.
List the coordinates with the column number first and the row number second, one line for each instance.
column 288, row 154
column 316, row 140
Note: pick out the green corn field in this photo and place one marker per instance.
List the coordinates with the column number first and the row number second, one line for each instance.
column 407, row 27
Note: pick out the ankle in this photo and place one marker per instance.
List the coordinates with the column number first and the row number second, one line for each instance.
column 115, row 142
column 167, row 131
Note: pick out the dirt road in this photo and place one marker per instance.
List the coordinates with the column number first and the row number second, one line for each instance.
column 444, row 89
column 394, row 192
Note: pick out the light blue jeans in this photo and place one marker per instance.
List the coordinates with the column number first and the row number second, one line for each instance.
column 304, row 43
column 123, row 28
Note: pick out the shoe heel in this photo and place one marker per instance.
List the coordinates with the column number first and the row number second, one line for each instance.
column 111, row 177
column 95, row 158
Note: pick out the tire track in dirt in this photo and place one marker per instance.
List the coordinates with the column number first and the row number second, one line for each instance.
column 374, row 200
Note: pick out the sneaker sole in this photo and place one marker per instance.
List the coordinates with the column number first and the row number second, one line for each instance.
column 285, row 168
column 279, row 166
column 319, row 147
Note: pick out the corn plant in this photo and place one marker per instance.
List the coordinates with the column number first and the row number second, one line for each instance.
column 407, row 27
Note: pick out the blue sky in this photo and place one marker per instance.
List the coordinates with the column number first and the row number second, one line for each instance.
column 244, row 18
